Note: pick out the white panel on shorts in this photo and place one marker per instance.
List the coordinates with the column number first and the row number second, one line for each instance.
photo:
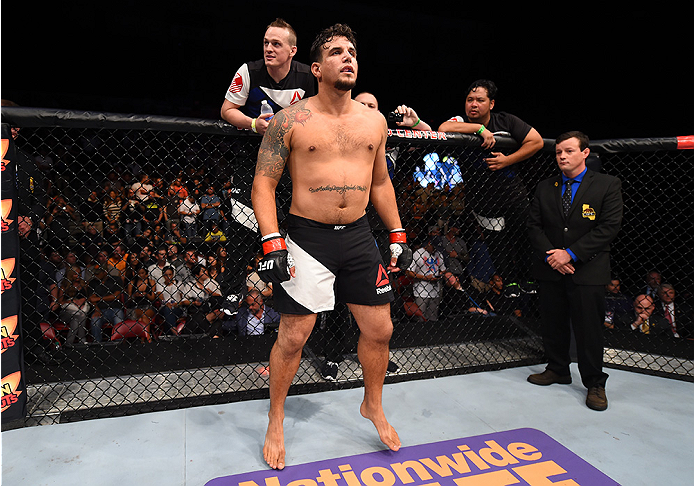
column 314, row 285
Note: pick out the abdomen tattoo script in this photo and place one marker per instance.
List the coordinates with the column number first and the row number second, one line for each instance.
column 337, row 189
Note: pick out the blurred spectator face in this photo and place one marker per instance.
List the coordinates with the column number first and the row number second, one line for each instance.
column 190, row 257
column 24, row 225
column 613, row 287
column 161, row 255
column 643, row 305
column 497, row 282
column 74, row 276
column 71, row 259
column 102, row 257
column 145, row 253
column 168, row 277
column 666, row 294
column 254, row 302
column 368, row 100
column 277, row 49
column 450, row 279
column 653, row 279
column 477, row 104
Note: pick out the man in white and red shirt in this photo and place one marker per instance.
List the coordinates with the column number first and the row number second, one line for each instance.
column 276, row 78
column 426, row 269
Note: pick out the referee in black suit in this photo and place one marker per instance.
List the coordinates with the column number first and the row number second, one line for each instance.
column 573, row 219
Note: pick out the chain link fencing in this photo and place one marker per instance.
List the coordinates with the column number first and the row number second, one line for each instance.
column 139, row 287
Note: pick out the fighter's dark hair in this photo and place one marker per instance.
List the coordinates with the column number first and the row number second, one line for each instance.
column 328, row 34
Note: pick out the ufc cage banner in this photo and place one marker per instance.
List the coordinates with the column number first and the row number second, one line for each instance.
column 14, row 397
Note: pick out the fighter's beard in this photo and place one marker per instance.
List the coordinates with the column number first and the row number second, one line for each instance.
column 345, row 85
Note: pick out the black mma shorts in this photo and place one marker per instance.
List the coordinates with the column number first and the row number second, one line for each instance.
column 332, row 263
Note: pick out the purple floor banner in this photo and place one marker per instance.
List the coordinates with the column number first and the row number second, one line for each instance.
column 515, row 457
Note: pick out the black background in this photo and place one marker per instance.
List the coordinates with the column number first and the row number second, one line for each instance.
column 609, row 72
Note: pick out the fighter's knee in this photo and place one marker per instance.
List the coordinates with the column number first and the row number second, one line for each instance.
column 291, row 343
column 381, row 332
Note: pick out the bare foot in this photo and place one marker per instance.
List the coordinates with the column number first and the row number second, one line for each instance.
column 273, row 450
column 385, row 431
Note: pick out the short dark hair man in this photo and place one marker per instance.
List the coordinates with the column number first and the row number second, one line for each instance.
column 573, row 219
column 277, row 79
column 334, row 149
column 498, row 197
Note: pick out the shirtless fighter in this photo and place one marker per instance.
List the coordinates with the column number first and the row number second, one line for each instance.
column 334, row 149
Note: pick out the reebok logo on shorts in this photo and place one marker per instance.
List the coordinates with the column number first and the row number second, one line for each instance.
column 382, row 281
column 339, row 227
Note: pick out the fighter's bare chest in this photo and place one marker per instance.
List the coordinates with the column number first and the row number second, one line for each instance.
column 342, row 138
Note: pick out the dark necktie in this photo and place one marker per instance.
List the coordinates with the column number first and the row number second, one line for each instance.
column 566, row 198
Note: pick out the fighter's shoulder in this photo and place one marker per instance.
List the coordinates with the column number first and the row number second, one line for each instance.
column 285, row 120
column 298, row 112
column 370, row 114
column 298, row 106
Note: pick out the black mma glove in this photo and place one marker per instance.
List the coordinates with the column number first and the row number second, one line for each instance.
column 276, row 262
column 400, row 253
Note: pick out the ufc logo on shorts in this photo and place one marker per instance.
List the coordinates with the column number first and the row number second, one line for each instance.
column 266, row 265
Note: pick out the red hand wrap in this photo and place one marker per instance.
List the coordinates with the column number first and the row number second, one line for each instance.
column 273, row 245
column 398, row 237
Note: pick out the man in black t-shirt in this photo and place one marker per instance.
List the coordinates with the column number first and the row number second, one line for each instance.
column 276, row 78
column 497, row 196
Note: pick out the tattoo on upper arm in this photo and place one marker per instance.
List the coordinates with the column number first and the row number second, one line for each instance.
column 274, row 149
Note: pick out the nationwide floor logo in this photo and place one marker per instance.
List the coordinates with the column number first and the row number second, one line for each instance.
column 515, row 457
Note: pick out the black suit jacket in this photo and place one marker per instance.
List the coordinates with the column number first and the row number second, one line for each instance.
column 592, row 223
column 683, row 318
